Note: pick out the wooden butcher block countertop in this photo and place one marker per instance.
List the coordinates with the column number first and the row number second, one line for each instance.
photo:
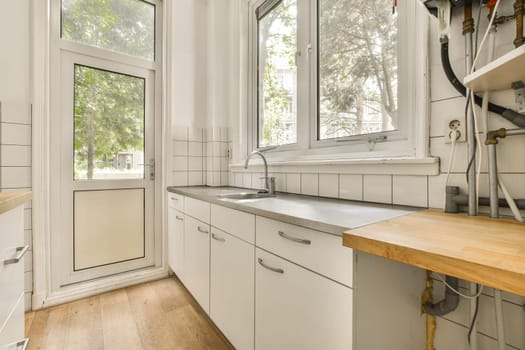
column 487, row 251
column 11, row 200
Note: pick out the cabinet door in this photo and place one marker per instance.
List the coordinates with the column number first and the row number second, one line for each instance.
column 297, row 309
column 176, row 242
column 197, row 260
column 232, row 288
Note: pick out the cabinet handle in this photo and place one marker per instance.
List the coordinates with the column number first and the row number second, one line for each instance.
column 174, row 199
column 217, row 238
column 23, row 343
column 274, row 269
column 294, row 239
column 201, row 230
column 179, row 218
column 21, row 251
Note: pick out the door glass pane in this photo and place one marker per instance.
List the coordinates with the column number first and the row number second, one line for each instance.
column 108, row 227
column 126, row 26
column 109, row 125
column 357, row 67
column 277, row 75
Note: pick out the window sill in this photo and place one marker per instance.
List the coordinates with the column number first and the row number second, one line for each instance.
column 427, row 166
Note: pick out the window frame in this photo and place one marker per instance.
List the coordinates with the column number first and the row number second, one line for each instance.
column 407, row 141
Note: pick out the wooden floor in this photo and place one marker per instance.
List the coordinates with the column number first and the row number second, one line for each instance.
column 159, row 315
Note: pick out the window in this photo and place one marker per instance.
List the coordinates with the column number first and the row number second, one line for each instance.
column 357, row 54
column 108, row 125
column 277, row 74
column 334, row 76
column 126, row 26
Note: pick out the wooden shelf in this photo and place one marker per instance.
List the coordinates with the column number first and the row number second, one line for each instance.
column 500, row 73
column 11, row 200
column 487, row 251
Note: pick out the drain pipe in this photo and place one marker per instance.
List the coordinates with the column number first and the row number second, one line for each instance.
column 493, row 177
column 447, row 305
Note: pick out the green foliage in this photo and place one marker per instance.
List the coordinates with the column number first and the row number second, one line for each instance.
column 126, row 26
column 109, row 117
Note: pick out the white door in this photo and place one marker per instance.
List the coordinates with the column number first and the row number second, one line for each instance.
column 107, row 168
column 176, row 242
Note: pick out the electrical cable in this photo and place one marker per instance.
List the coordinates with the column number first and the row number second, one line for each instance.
column 458, row 292
column 474, row 318
column 479, row 149
column 451, row 157
column 489, row 27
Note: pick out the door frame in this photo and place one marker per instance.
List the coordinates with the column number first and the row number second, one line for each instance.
column 45, row 64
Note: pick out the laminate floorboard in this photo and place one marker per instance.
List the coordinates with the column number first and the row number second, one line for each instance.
column 159, row 315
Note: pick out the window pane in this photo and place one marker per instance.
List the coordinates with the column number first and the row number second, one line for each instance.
column 126, row 26
column 357, row 67
column 109, row 125
column 277, row 75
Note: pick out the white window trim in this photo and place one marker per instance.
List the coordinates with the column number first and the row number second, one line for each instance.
column 407, row 143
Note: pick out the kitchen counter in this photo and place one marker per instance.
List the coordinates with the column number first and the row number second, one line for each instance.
column 487, row 251
column 327, row 215
column 11, row 200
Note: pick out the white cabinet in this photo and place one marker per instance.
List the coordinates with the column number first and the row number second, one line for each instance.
column 231, row 289
column 176, row 242
column 197, row 260
column 297, row 309
column 12, row 250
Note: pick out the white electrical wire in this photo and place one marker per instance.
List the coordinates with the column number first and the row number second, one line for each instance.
column 492, row 18
column 458, row 292
column 510, row 200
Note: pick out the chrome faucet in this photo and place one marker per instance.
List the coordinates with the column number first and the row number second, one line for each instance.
column 268, row 181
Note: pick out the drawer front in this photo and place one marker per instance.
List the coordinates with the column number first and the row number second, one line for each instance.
column 317, row 251
column 13, row 330
column 198, row 209
column 298, row 309
column 12, row 275
column 175, row 201
column 234, row 222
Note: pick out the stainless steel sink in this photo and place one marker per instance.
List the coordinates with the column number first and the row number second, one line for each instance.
column 244, row 195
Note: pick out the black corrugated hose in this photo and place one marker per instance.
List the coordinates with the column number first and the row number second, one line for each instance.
column 512, row 116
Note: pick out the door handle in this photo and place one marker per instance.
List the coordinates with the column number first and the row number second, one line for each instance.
column 21, row 251
column 294, row 239
column 151, row 166
column 217, row 238
column 274, row 269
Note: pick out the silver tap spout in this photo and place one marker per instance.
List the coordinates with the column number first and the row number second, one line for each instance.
column 269, row 182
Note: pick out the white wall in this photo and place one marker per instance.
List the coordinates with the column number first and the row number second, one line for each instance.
column 15, row 111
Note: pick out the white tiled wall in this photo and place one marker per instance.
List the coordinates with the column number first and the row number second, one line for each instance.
column 200, row 156
column 15, row 170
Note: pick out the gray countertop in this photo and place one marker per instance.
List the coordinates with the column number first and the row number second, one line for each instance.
column 323, row 214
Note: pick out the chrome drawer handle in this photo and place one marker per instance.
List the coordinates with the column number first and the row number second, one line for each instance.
column 217, row 238
column 21, row 251
column 201, row 230
column 294, row 239
column 179, row 218
column 23, row 343
column 274, row 269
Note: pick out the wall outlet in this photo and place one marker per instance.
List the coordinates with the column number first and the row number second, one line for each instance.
column 457, row 124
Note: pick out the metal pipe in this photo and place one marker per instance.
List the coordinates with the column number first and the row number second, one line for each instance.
column 468, row 29
column 519, row 11
column 499, row 319
column 493, row 180
column 515, row 132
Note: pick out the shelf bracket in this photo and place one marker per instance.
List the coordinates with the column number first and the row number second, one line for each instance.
column 519, row 93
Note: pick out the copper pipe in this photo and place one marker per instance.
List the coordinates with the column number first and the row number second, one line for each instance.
column 468, row 21
column 519, row 11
